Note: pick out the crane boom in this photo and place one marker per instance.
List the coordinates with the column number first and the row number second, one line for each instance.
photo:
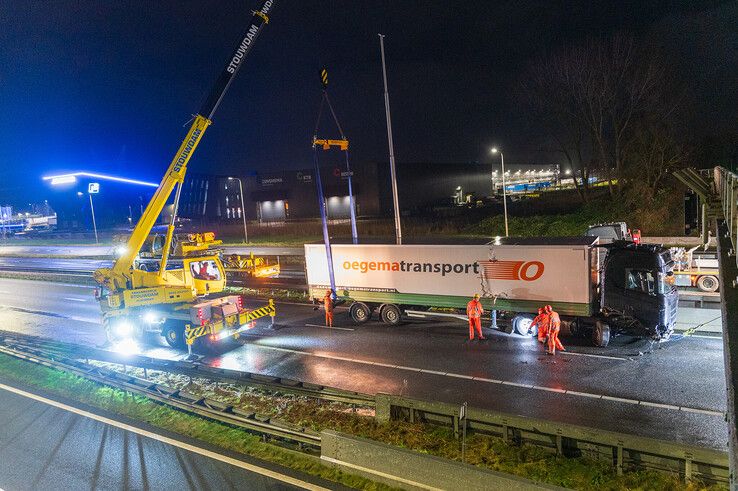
column 119, row 277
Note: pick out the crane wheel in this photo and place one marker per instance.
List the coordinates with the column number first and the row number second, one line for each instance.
column 173, row 333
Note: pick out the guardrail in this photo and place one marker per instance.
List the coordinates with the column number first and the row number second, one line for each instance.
column 621, row 450
column 42, row 347
column 726, row 185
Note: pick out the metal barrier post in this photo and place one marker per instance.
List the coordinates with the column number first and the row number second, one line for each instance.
column 272, row 312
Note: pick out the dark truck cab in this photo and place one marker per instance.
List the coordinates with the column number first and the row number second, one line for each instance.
column 637, row 293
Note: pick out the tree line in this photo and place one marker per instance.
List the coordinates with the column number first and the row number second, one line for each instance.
column 611, row 108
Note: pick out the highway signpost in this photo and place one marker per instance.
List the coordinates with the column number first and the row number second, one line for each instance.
column 93, row 188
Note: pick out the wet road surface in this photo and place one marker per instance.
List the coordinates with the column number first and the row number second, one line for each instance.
column 50, row 444
column 671, row 391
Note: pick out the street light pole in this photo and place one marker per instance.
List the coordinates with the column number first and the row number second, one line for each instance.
column 243, row 210
column 504, row 190
column 393, row 174
column 94, row 225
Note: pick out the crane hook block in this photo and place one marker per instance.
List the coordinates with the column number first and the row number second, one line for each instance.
column 324, row 77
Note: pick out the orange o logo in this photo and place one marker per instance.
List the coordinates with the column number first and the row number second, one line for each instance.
column 525, row 269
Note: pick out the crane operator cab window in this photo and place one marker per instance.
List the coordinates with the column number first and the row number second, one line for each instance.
column 205, row 270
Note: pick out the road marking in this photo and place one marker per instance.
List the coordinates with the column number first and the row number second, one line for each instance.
column 170, row 441
column 502, row 382
column 330, row 327
column 607, row 357
column 3, row 292
column 662, row 406
column 75, row 299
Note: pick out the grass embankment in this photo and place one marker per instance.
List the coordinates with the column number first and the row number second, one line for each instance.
column 142, row 409
column 660, row 217
column 526, row 461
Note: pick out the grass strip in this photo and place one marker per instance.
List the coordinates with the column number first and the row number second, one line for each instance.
column 528, row 461
column 143, row 409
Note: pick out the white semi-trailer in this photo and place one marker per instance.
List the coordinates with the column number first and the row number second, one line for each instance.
column 632, row 292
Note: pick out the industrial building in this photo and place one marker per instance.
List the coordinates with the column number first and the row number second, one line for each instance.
column 290, row 195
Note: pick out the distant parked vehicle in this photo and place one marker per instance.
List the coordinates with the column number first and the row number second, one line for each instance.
column 696, row 269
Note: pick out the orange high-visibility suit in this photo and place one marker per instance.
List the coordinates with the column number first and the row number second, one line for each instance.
column 541, row 321
column 328, row 304
column 554, row 326
column 474, row 311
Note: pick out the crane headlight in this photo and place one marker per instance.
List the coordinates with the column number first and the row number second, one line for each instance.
column 123, row 329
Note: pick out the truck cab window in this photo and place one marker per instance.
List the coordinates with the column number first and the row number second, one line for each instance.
column 205, row 270
column 640, row 280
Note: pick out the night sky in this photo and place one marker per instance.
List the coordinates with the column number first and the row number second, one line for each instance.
column 109, row 85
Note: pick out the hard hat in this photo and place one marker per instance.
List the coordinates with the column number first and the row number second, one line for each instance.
column 476, row 295
column 549, row 308
column 541, row 310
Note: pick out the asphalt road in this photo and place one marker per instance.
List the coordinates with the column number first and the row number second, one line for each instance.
column 290, row 273
column 674, row 391
column 47, row 444
column 109, row 251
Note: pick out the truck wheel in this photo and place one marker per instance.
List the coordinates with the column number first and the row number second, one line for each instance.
column 391, row 315
column 173, row 333
column 521, row 324
column 360, row 312
column 601, row 334
column 708, row 283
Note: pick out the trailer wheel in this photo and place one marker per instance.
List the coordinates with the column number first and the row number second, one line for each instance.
column 391, row 315
column 521, row 325
column 360, row 312
column 601, row 334
column 173, row 333
column 708, row 283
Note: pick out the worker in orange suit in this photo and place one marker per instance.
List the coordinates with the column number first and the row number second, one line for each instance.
column 554, row 326
column 474, row 312
column 541, row 321
column 328, row 305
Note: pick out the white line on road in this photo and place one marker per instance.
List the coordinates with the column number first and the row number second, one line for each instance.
column 607, row 357
column 170, row 441
column 330, row 327
column 503, row 382
column 75, row 299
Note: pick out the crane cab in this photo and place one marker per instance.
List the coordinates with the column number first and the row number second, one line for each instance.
column 205, row 273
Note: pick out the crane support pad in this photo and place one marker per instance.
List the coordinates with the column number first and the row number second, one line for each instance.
column 230, row 325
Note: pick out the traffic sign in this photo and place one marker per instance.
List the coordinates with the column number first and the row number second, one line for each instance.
column 93, row 187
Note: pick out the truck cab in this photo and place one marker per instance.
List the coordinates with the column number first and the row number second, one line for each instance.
column 637, row 289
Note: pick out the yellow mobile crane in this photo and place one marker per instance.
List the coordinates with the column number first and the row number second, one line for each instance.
column 171, row 301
